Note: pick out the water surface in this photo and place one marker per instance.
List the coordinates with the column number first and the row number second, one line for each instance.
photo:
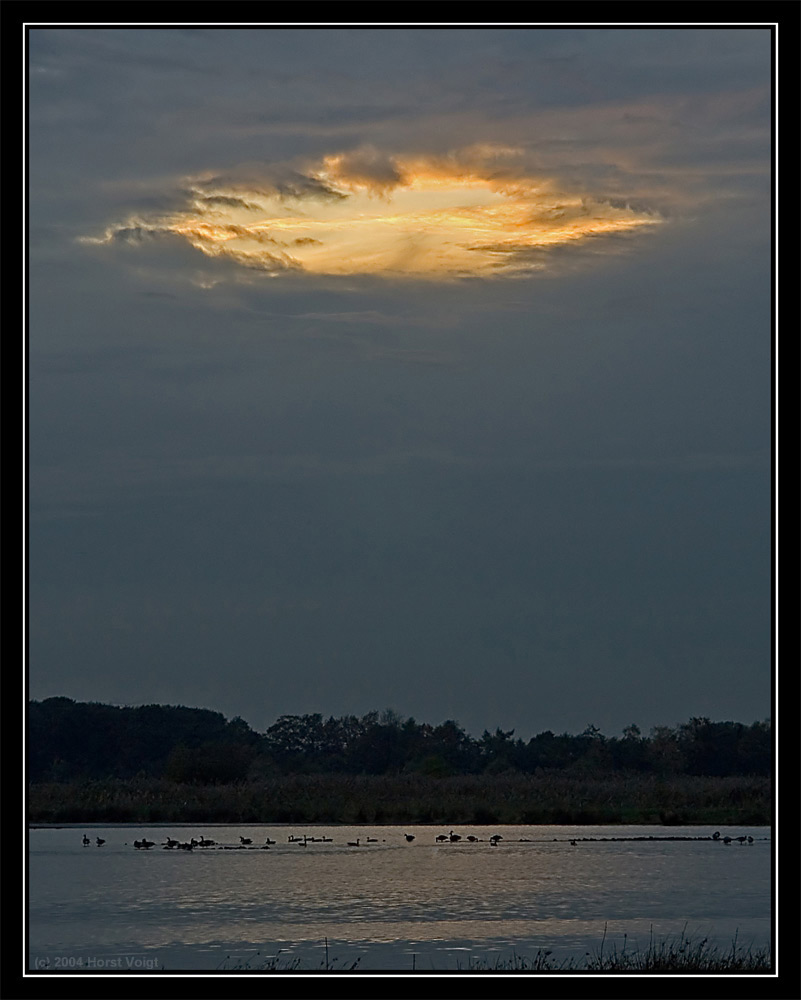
column 388, row 904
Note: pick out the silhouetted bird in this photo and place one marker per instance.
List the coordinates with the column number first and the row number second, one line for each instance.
column 243, row 840
column 716, row 835
column 268, row 841
column 355, row 843
column 409, row 837
column 100, row 841
column 453, row 837
column 441, row 837
column 86, row 841
column 472, row 839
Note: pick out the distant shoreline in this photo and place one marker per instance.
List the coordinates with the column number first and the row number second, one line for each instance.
column 508, row 799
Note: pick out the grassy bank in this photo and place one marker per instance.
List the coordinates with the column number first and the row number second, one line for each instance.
column 512, row 798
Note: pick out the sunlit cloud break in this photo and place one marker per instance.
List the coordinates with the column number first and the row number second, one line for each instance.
column 364, row 212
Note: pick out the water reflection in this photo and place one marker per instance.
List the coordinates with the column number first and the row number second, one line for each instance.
column 386, row 901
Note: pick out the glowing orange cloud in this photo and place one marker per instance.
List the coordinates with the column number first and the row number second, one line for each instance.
column 368, row 213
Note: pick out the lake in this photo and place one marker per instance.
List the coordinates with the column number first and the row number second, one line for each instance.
column 388, row 904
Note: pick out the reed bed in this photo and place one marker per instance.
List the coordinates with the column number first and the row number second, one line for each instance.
column 681, row 955
column 506, row 799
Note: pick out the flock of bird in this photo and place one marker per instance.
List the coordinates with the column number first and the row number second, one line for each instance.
column 246, row 843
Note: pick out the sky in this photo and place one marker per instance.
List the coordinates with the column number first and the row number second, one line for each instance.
column 402, row 367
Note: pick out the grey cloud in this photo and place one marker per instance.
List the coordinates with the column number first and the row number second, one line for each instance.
column 504, row 502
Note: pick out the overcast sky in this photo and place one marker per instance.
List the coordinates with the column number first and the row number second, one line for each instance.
column 421, row 368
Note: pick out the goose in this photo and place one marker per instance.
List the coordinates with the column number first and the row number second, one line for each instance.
column 453, row 837
column 750, row 840
column 472, row 839
column 100, row 841
column 372, row 840
column 727, row 840
column 242, row 840
column 147, row 844
column 327, row 840
column 355, row 843
column 138, row 845
column 716, row 835
column 169, row 842
column 268, row 842
column 86, row 841
column 441, row 838
column 409, row 837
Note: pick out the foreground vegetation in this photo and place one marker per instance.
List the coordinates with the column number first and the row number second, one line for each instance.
column 681, row 955
column 506, row 798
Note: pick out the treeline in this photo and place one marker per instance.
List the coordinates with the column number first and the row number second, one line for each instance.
column 72, row 741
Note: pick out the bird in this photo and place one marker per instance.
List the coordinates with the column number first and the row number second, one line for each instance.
column 727, row 840
column 750, row 840
column 100, row 841
column 147, row 844
column 472, row 839
column 268, row 841
column 441, row 837
column 716, row 835
column 372, row 840
column 242, row 840
column 573, row 843
column 409, row 837
column 496, row 837
column 169, row 842
column 86, row 841
column 355, row 843
column 454, row 837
